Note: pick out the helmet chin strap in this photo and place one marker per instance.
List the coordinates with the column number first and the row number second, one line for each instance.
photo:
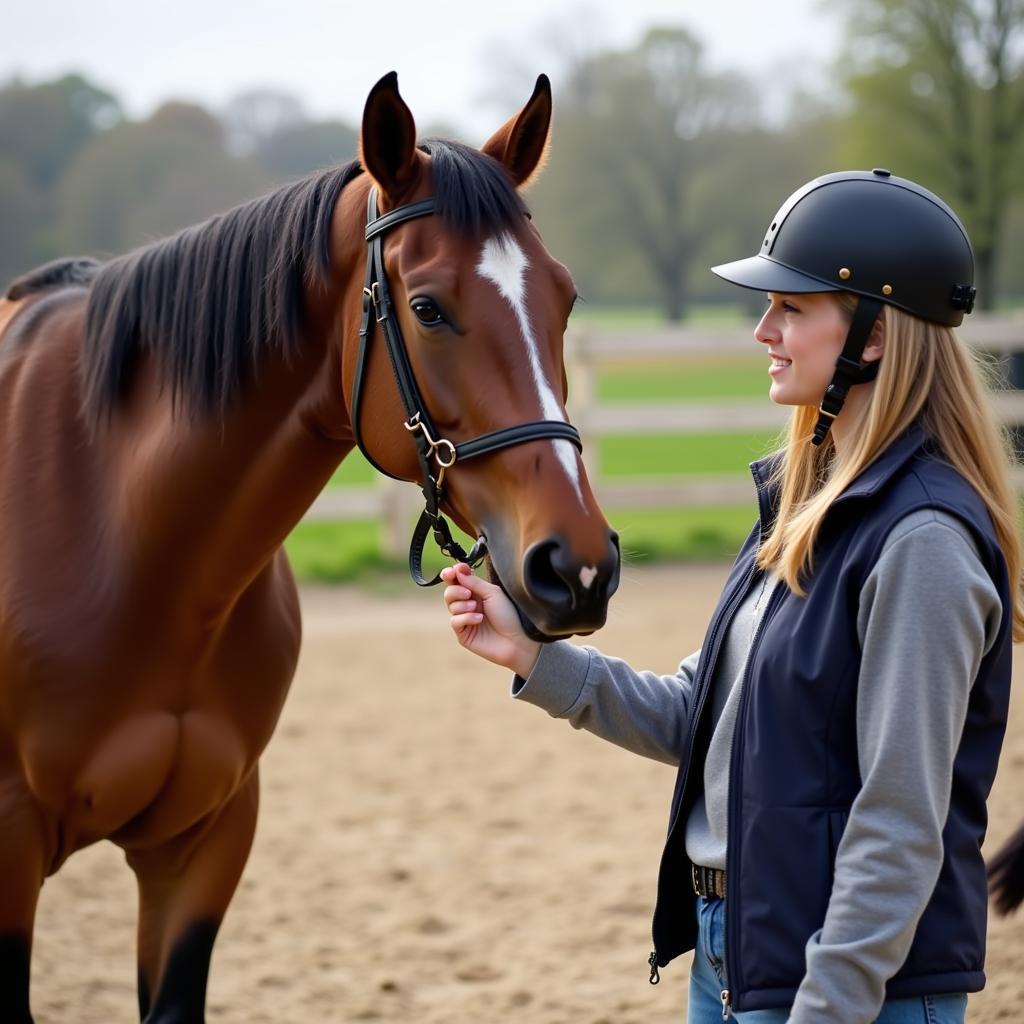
column 849, row 370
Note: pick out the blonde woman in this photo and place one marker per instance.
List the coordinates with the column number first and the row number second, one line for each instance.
column 838, row 733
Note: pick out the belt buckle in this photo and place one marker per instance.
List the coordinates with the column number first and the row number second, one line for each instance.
column 706, row 882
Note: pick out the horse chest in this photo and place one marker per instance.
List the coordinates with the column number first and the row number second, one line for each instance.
column 138, row 739
column 146, row 778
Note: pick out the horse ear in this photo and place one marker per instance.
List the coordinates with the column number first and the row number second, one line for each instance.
column 387, row 142
column 521, row 143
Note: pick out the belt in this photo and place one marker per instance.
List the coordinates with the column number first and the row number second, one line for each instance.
column 708, row 882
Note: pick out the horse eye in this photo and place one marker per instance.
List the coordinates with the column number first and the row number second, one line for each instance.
column 426, row 312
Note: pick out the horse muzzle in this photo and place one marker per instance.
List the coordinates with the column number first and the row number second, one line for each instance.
column 556, row 592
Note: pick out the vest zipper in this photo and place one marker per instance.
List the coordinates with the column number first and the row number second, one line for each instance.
column 732, row 853
column 705, row 688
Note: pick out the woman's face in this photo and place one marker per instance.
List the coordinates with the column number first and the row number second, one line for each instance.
column 804, row 335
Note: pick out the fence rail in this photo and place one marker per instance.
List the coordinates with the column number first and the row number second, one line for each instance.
column 590, row 350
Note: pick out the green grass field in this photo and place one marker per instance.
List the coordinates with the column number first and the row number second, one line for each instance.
column 651, row 318
column 343, row 552
column 706, row 380
column 351, row 550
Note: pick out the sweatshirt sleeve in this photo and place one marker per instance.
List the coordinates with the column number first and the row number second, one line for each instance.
column 928, row 614
column 643, row 712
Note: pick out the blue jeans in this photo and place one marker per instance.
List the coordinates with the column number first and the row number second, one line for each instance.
column 707, row 980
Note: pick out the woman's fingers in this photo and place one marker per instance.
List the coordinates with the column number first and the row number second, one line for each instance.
column 456, row 593
column 465, row 577
column 465, row 621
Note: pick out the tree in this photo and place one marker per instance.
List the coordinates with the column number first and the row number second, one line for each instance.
column 257, row 114
column 272, row 128
column 295, row 150
column 746, row 177
column 143, row 180
column 42, row 127
column 938, row 93
column 633, row 131
column 19, row 215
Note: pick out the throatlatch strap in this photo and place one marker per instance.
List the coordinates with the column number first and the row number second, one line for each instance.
column 849, row 370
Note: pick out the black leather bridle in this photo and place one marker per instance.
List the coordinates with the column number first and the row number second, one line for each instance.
column 437, row 454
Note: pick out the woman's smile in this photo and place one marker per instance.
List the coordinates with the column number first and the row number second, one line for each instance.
column 803, row 335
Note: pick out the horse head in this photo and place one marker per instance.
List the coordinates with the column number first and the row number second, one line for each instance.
column 479, row 307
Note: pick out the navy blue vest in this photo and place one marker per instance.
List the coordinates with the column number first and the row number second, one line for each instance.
column 794, row 771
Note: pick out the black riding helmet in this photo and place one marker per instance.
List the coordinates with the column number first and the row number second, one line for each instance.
column 883, row 238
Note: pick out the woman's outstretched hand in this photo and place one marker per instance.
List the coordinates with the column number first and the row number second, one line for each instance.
column 485, row 621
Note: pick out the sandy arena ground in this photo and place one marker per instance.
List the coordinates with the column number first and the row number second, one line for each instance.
column 430, row 851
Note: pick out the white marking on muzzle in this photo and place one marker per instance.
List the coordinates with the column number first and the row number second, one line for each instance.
column 504, row 262
column 587, row 576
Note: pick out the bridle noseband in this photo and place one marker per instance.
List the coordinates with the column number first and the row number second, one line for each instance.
column 436, row 454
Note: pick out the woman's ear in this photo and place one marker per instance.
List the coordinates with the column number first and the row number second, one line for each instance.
column 876, row 342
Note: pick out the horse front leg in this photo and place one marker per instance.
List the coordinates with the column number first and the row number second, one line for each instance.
column 185, row 887
column 23, row 861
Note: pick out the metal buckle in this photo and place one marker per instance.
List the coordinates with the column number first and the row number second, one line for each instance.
column 435, row 447
column 371, row 295
column 822, row 411
column 705, row 881
column 382, row 313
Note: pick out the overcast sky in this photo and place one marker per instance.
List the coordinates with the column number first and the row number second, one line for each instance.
column 451, row 57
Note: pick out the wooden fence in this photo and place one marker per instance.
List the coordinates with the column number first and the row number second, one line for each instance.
column 591, row 350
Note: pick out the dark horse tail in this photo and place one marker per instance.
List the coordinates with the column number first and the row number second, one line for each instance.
column 1006, row 874
column 58, row 274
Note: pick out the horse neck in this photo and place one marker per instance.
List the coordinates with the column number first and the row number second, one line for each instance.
column 220, row 494
column 212, row 498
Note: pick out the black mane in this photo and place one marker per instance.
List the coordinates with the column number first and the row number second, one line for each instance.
column 472, row 191
column 209, row 301
column 63, row 273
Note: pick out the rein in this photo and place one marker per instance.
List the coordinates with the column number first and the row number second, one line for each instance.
column 437, row 454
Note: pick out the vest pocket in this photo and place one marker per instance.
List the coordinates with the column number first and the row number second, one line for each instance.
column 836, row 827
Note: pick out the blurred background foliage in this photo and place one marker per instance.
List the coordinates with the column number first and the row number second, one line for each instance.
column 660, row 166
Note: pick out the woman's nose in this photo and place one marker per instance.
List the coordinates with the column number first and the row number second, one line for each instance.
column 766, row 331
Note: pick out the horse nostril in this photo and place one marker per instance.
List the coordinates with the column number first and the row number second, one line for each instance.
column 542, row 576
column 554, row 577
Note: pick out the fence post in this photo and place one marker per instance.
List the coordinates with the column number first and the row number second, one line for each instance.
column 581, row 370
column 1015, row 379
column 394, row 516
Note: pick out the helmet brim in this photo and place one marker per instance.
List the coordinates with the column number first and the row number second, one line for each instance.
column 764, row 274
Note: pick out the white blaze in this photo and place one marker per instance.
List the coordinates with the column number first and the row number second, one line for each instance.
column 504, row 262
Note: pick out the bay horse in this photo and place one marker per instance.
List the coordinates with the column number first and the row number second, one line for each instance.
column 169, row 416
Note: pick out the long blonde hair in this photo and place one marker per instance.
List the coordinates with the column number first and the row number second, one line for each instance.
column 926, row 374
